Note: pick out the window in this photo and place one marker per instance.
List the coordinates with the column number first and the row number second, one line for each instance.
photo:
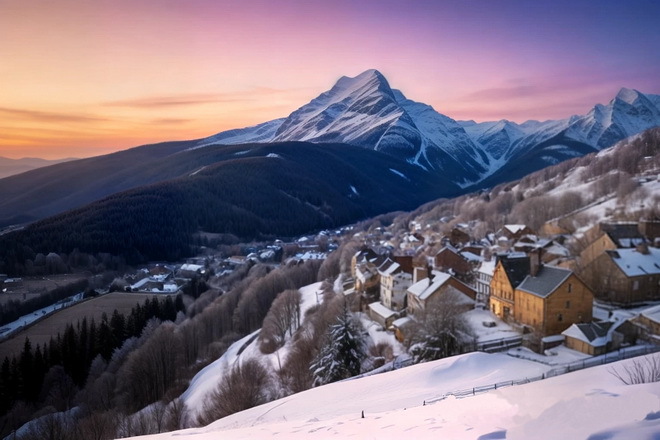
column 560, row 318
column 568, row 304
column 636, row 285
column 570, row 287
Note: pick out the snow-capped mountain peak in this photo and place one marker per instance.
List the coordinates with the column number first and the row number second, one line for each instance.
column 365, row 111
column 627, row 95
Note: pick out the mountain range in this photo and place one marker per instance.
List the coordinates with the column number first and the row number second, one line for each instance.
column 357, row 150
column 9, row 167
column 367, row 112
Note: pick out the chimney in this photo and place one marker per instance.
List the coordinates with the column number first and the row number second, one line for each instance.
column 643, row 248
column 419, row 273
column 535, row 263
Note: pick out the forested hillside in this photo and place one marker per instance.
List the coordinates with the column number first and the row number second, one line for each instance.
column 247, row 191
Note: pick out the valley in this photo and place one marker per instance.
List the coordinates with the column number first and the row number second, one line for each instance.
column 363, row 233
column 448, row 244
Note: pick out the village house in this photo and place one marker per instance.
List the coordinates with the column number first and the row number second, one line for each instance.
column 190, row 270
column 650, row 229
column 513, row 233
column 593, row 338
column 367, row 280
column 405, row 261
column 484, row 276
column 626, row 276
column 609, row 236
column 365, row 255
column 647, row 325
column 394, row 283
column 428, row 290
column 382, row 315
column 526, row 243
column 458, row 237
column 544, row 299
column 510, row 271
column 448, row 259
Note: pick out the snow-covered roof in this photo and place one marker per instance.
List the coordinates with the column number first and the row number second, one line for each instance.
column 557, row 249
column 381, row 310
column 514, row 229
column 596, row 334
column 425, row 288
column 634, row 263
column 546, row 281
column 487, row 267
column 364, row 272
column 652, row 313
column 401, row 321
column 388, row 267
column 471, row 257
column 191, row 267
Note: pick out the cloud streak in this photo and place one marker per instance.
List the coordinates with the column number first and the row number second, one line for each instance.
column 46, row 116
column 194, row 99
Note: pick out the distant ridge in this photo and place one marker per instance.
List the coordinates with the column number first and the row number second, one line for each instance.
column 366, row 111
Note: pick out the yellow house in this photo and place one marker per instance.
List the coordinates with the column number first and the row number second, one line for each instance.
column 510, row 271
column 552, row 300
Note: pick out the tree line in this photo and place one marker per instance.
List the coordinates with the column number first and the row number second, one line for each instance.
column 13, row 309
column 51, row 375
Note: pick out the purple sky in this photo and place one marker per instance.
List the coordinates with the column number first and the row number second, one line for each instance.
column 85, row 78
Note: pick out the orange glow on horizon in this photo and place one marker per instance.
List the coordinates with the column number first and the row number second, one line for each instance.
column 87, row 78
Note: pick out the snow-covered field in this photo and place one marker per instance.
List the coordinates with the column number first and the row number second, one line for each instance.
column 11, row 327
column 590, row 403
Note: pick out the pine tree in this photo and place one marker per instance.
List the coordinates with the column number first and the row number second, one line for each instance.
column 342, row 354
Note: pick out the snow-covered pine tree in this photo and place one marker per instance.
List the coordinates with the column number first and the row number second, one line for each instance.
column 342, row 353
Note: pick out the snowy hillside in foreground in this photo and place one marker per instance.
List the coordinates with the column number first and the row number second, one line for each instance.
column 571, row 406
column 590, row 403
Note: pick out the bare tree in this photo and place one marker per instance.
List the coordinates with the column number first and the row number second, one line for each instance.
column 150, row 370
column 97, row 426
column 283, row 318
column 441, row 330
column 640, row 370
column 246, row 385
column 56, row 426
column 177, row 416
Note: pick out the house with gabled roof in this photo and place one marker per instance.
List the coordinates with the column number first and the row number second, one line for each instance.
column 484, row 275
column 550, row 299
column 448, row 259
column 626, row 276
column 609, row 236
column 382, row 315
column 427, row 290
column 648, row 324
column 510, row 270
column 593, row 338
column 458, row 237
column 514, row 232
column 394, row 283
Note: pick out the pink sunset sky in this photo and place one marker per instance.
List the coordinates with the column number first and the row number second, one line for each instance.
column 83, row 78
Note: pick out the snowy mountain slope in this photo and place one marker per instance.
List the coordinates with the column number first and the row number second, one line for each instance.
column 264, row 132
column 630, row 112
column 367, row 112
column 522, row 148
column 586, row 403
